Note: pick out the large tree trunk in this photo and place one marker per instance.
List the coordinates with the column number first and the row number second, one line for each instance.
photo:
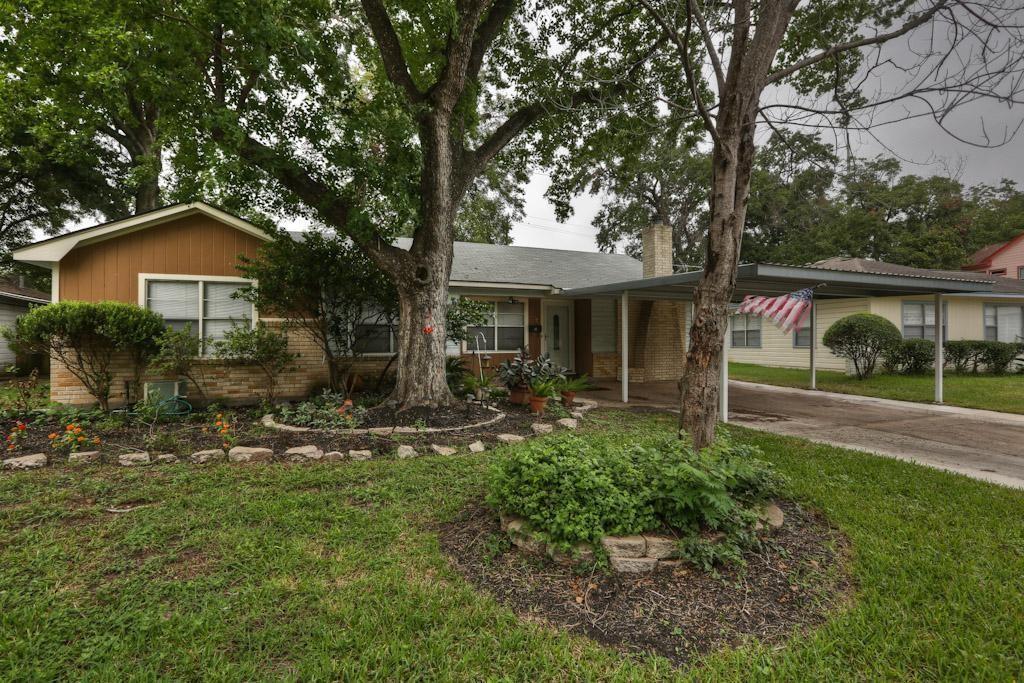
column 423, row 298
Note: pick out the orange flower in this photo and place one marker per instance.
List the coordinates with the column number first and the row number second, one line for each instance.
column 81, row 438
column 52, row 436
column 21, row 426
column 70, row 428
column 95, row 439
column 218, row 423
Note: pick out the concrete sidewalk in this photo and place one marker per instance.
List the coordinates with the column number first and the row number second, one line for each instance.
column 982, row 444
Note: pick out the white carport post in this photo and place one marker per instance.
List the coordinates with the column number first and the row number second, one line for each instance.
column 624, row 335
column 814, row 342
column 940, row 358
column 723, row 378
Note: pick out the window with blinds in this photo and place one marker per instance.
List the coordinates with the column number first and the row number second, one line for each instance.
column 207, row 307
column 919, row 320
column 1004, row 323
column 504, row 329
column 746, row 331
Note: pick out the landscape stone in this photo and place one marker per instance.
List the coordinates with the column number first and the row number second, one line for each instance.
column 527, row 542
column 133, row 459
column 660, row 547
column 477, row 447
column 26, row 462
column 406, row 451
column 443, row 450
column 360, row 455
column 301, row 453
column 633, row 565
column 247, row 454
column 577, row 414
column 334, row 456
column 568, row 423
column 541, row 428
column 211, row 455
column 166, row 458
column 772, row 514
column 624, row 546
column 509, row 438
column 84, row 458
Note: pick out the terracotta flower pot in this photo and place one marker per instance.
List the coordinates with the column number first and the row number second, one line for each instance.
column 567, row 398
column 518, row 395
column 537, row 404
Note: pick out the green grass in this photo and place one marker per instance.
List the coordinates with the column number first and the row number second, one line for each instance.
column 1004, row 393
column 330, row 572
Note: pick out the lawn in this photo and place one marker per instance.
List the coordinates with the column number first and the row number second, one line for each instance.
column 333, row 571
column 1004, row 393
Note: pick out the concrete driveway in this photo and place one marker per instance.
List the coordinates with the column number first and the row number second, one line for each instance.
column 978, row 443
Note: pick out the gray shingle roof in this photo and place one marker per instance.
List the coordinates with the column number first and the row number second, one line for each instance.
column 511, row 265
column 561, row 268
column 1001, row 285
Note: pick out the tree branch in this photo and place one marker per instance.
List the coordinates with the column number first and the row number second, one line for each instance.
column 709, row 44
column 487, row 32
column 390, row 49
column 919, row 20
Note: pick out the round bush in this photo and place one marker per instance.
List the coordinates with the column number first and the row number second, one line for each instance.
column 862, row 338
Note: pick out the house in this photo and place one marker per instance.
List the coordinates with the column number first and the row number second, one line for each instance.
column 15, row 299
column 995, row 314
column 576, row 306
column 1004, row 258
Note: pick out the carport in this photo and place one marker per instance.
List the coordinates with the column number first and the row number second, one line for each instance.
column 775, row 280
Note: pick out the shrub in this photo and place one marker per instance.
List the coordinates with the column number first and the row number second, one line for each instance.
column 259, row 346
column 862, row 338
column 911, row 356
column 963, row 354
column 84, row 336
column 179, row 354
column 572, row 490
column 996, row 356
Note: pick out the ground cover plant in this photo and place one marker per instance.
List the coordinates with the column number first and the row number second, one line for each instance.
column 335, row 571
column 1004, row 393
column 571, row 490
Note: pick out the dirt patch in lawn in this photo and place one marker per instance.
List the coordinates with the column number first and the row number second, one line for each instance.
column 793, row 582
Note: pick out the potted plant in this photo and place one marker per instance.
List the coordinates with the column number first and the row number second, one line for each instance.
column 516, row 373
column 541, row 390
column 568, row 387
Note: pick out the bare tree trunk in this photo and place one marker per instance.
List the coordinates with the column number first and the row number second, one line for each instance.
column 423, row 297
column 147, row 194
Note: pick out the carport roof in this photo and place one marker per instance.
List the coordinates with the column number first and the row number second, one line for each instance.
column 772, row 279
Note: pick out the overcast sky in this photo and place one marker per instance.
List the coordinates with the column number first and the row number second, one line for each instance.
column 925, row 148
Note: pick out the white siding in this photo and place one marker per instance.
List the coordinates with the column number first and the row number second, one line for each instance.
column 8, row 313
column 777, row 349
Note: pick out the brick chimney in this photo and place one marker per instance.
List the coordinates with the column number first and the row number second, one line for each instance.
column 656, row 243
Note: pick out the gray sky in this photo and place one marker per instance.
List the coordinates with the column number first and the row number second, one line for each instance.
column 926, row 149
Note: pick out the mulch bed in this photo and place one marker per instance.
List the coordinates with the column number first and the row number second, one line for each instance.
column 461, row 413
column 792, row 583
column 186, row 435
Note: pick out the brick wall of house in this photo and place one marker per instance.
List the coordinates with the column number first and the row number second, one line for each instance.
column 656, row 332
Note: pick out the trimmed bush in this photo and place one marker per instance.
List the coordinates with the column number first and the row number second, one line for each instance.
column 84, row 336
column 862, row 338
column 996, row 356
column 572, row 490
column 963, row 354
column 911, row 356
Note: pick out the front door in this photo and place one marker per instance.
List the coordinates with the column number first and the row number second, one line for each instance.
column 557, row 325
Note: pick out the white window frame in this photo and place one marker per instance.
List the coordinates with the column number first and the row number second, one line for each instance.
column 469, row 345
column 392, row 343
column 996, row 306
column 747, row 317
column 924, row 317
column 145, row 278
column 796, row 335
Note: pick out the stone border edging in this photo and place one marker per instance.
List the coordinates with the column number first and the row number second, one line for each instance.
column 270, row 422
column 637, row 554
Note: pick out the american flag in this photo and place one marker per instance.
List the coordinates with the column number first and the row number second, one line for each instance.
column 787, row 311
